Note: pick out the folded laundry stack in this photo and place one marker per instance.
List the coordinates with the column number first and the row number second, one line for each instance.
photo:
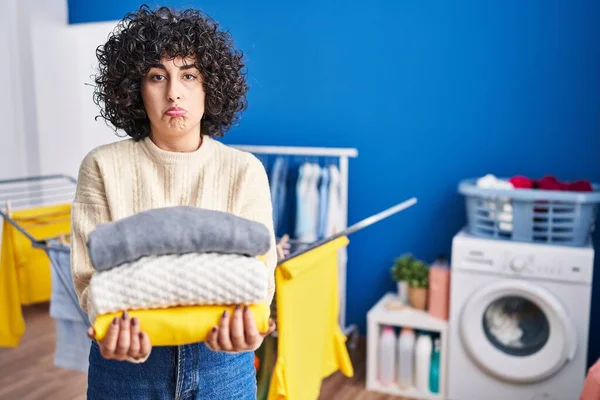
column 177, row 269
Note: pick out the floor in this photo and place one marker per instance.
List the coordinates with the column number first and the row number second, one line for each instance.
column 28, row 373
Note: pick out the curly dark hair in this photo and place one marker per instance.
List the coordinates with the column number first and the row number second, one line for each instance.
column 140, row 40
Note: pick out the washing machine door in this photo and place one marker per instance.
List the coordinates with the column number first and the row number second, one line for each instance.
column 517, row 331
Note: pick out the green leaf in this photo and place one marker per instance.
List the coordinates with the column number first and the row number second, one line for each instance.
column 408, row 268
column 402, row 267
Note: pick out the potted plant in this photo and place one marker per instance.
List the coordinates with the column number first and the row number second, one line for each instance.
column 401, row 272
column 418, row 285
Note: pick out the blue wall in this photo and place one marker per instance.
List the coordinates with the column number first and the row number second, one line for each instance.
column 429, row 92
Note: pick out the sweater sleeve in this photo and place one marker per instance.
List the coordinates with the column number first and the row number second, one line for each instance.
column 89, row 209
column 257, row 206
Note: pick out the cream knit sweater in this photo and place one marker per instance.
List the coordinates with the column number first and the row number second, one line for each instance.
column 126, row 177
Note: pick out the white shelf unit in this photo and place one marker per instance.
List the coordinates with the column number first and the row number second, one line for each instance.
column 380, row 316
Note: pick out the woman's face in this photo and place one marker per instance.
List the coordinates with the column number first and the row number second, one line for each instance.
column 173, row 96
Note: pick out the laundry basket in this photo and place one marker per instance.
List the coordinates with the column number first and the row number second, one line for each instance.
column 530, row 215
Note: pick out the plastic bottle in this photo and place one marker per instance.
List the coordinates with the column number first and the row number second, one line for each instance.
column 439, row 288
column 387, row 356
column 423, row 350
column 434, row 374
column 406, row 358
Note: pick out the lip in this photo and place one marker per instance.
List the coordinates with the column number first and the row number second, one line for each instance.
column 176, row 112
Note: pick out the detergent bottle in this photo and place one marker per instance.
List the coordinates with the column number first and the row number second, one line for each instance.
column 406, row 358
column 386, row 356
column 434, row 374
column 423, row 350
column 439, row 288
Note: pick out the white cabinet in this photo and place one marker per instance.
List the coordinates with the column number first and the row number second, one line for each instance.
column 387, row 313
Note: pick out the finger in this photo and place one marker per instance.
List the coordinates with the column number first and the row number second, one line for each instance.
column 124, row 337
column 134, row 341
column 271, row 329
column 109, row 342
column 91, row 333
column 212, row 339
column 237, row 329
column 145, row 344
column 224, row 340
column 280, row 254
column 252, row 335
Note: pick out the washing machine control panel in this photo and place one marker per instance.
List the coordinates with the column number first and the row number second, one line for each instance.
column 518, row 263
column 531, row 261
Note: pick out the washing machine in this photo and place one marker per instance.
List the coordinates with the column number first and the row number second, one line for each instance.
column 519, row 318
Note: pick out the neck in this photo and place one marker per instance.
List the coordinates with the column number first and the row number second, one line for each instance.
column 180, row 144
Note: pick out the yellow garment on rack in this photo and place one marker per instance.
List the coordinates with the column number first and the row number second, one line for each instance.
column 181, row 325
column 24, row 270
column 311, row 344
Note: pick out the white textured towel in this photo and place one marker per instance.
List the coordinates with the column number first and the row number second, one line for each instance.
column 180, row 280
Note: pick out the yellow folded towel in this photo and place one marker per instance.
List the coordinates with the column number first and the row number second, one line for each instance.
column 176, row 326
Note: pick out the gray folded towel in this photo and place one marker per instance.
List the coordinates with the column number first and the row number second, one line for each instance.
column 175, row 230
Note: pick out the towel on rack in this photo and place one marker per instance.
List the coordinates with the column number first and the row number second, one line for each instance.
column 72, row 343
column 175, row 230
column 311, row 344
column 179, row 280
column 24, row 270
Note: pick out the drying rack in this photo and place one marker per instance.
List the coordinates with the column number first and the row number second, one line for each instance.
column 38, row 191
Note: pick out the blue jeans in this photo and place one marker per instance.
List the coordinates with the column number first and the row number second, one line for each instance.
column 190, row 372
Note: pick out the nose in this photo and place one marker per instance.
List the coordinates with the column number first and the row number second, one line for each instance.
column 174, row 91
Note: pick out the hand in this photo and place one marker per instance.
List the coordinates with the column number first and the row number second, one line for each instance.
column 124, row 340
column 282, row 246
column 237, row 334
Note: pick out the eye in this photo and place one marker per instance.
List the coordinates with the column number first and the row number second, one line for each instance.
column 189, row 77
column 157, row 77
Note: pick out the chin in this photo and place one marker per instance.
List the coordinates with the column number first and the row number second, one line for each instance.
column 178, row 124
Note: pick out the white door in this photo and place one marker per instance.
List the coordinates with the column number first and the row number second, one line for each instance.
column 517, row 331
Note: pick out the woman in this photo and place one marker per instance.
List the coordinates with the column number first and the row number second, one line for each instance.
column 172, row 82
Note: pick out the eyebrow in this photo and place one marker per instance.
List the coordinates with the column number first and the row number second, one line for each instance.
column 183, row 67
